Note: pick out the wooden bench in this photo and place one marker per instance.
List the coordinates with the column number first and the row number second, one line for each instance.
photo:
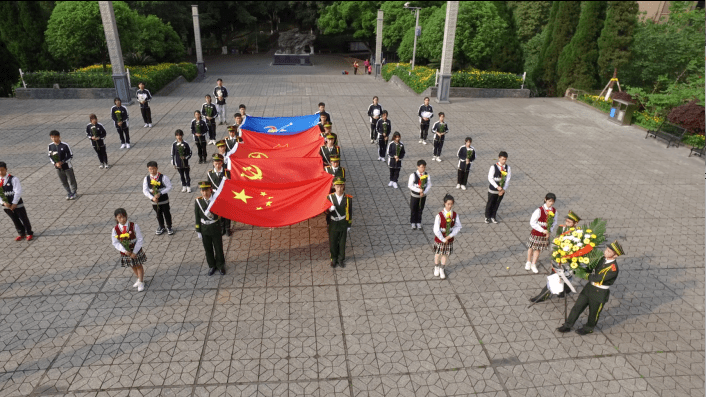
column 697, row 151
column 668, row 132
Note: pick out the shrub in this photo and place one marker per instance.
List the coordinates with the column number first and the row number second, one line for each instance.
column 423, row 77
column 696, row 141
column 689, row 116
column 138, row 59
column 623, row 96
column 596, row 101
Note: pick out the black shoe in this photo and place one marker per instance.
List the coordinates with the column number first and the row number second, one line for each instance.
column 564, row 329
column 170, row 231
column 160, row 230
column 342, row 264
column 561, row 295
column 333, row 263
column 223, row 271
column 584, row 331
column 487, row 221
column 535, row 299
column 211, row 271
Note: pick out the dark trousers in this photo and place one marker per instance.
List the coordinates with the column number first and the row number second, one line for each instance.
column 163, row 213
column 337, row 233
column 416, row 205
column 438, row 145
column 211, row 129
column 225, row 226
column 68, row 179
column 545, row 294
column 213, row 245
column 146, row 114
column 100, row 151
column 462, row 178
column 184, row 174
column 382, row 148
column 423, row 131
column 394, row 174
column 491, row 207
column 594, row 310
column 124, row 133
column 201, row 146
column 19, row 218
column 373, row 132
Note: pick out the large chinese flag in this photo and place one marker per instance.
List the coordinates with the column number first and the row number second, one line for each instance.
column 245, row 150
column 269, row 170
column 268, row 141
column 267, row 204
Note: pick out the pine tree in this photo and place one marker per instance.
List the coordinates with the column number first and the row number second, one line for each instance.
column 508, row 55
column 616, row 37
column 577, row 65
column 9, row 73
column 22, row 26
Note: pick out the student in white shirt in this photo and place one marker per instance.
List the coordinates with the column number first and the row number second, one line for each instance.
column 127, row 239
column 499, row 174
column 541, row 228
column 447, row 224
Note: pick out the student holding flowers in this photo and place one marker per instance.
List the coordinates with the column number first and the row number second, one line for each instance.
column 499, row 176
column 542, row 223
column 447, row 224
column 155, row 187
column 127, row 239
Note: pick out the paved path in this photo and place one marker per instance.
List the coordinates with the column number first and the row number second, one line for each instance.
column 281, row 322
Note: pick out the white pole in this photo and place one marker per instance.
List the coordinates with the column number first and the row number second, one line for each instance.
column 128, row 78
column 416, row 26
column 23, row 79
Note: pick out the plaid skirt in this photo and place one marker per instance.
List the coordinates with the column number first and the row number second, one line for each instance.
column 538, row 243
column 126, row 261
column 443, row 248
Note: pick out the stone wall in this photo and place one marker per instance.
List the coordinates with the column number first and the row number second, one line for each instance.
column 87, row 93
column 467, row 92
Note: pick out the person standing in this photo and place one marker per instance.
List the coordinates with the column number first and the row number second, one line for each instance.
column 181, row 153
column 336, row 170
column 208, row 228
column 440, row 129
column 383, row 128
column 365, row 66
column 499, row 179
column 199, row 129
column 395, row 154
column 127, row 239
column 96, row 133
column 355, row 66
column 374, row 112
column 13, row 205
column 209, row 111
column 329, row 150
column 426, row 113
column 232, row 139
column 215, row 176
column 447, row 224
column 543, row 224
column 60, row 155
column 466, row 155
column 419, row 184
column 221, row 94
column 120, row 117
column 155, row 187
column 144, row 97
column 341, row 218
column 322, row 111
column 596, row 293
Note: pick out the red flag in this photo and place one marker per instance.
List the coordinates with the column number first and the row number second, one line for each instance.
column 266, row 141
column 298, row 151
column 272, row 204
column 278, row 170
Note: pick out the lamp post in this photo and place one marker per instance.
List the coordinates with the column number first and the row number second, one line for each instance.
column 417, row 31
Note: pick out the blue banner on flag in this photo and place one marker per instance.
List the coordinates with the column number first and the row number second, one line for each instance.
column 280, row 125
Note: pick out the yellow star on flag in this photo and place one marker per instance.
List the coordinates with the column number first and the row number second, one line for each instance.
column 263, row 194
column 258, row 208
column 269, row 203
column 241, row 196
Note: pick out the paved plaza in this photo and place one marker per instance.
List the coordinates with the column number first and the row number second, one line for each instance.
column 281, row 322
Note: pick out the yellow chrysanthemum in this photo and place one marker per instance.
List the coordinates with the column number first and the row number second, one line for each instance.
column 593, row 244
column 154, row 183
column 124, row 235
column 586, row 241
column 574, row 265
column 593, row 236
column 588, row 231
column 557, row 241
column 563, row 260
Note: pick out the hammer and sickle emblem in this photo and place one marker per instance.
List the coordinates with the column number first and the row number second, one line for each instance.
column 257, row 155
column 255, row 172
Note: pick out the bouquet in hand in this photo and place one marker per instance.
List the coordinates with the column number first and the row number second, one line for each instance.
column 575, row 247
column 399, row 149
column 469, row 153
column 198, row 128
column 125, row 241
column 3, row 198
column 448, row 224
column 155, row 186
column 180, row 149
column 94, row 132
column 503, row 176
column 422, row 186
column 119, row 115
column 209, row 110
column 550, row 220
column 54, row 157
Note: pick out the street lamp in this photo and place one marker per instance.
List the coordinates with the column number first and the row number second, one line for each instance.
column 417, row 29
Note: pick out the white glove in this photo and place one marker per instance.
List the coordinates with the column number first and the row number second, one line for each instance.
column 198, row 234
column 349, row 230
column 332, row 208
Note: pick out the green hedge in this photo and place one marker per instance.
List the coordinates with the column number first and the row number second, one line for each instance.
column 423, row 77
column 155, row 76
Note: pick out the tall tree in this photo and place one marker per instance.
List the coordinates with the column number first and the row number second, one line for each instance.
column 577, row 65
column 565, row 20
column 22, row 24
column 9, row 73
column 353, row 17
column 530, row 17
column 616, row 37
column 507, row 56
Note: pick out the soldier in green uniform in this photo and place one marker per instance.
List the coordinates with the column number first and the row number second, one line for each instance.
column 595, row 294
column 329, row 150
column 232, row 139
column 208, row 227
column 336, row 170
column 341, row 213
column 215, row 176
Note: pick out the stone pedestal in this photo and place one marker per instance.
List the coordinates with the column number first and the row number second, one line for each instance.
column 442, row 93
column 112, row 38
column 292, row 59
column 447, row 52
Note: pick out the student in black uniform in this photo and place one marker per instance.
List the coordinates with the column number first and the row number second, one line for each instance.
column 208, row 110
column 199, row 129
column 13, row 205
column 440, row 129
column 426, row 113
column 374, row 112
column 144, row 97
column 466, row 155
column 120, row 118
column 395, row 154
column 155, row 187
column 221, row 93
column 96, row 133
column 61, row 155
column 242, row 109
column 181, row 153
column 322, row 110
column 418, row 184
column 237, row 122
column 383, row 128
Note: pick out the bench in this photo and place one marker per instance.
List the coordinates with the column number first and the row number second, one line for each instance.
column 697, row 151
column 668, row 132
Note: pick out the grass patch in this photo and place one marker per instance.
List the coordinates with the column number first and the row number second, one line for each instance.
column 423, row 77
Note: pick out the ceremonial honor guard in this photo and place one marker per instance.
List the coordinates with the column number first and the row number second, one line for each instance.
column 374, row 112
column 466, row 155
column 144, row 97
column 221, row 94
column 596, row 293
column 127, row 239
column 96, row 133
column 336, row 170
column 543, row 224
column 395, row 154
column 447, row 224
column 426, row 113
column 120, row 118
column 222, row 150
column 383, row 128
column 237, row 122
column 341, row 214
column 419, row 184
column 329, row 150
column 208, row 227
column 155, row 187
column 327, row 132
column 60, row 155
column 13, row 205
column 440, row 129
column 181, row 153
column 499, row 179
column 323, row 120
column 209, row 111
column 215, row 176
column 232, row 139
column 199, row 129
column 572, row 220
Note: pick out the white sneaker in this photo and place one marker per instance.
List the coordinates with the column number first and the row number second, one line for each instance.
column 127, row 146
column 425, row 142
column 372, row 141
column 534, row 268
column 106, row 166
column 414, row 226
column 438, row 159
column 493, row 220
column 101, row 166
column 442, row 275
column 394, row 184
column 463, row 187
column 436, row 271
column 140, row 287
column 382, row 159
column 136, row 283
column 421, row 140
column 458, row 186
column 183, row 189
column 146, row 125
column 149, row 125
column 433, row 158
column 528, row 265
column 122, row 146
column 188, row 189
column 389, row 183
column 419, row 226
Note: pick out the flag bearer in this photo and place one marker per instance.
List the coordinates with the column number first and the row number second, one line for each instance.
column 341, row 212
column 208, row 229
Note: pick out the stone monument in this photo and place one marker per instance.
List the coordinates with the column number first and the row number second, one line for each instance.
column 294, row 48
